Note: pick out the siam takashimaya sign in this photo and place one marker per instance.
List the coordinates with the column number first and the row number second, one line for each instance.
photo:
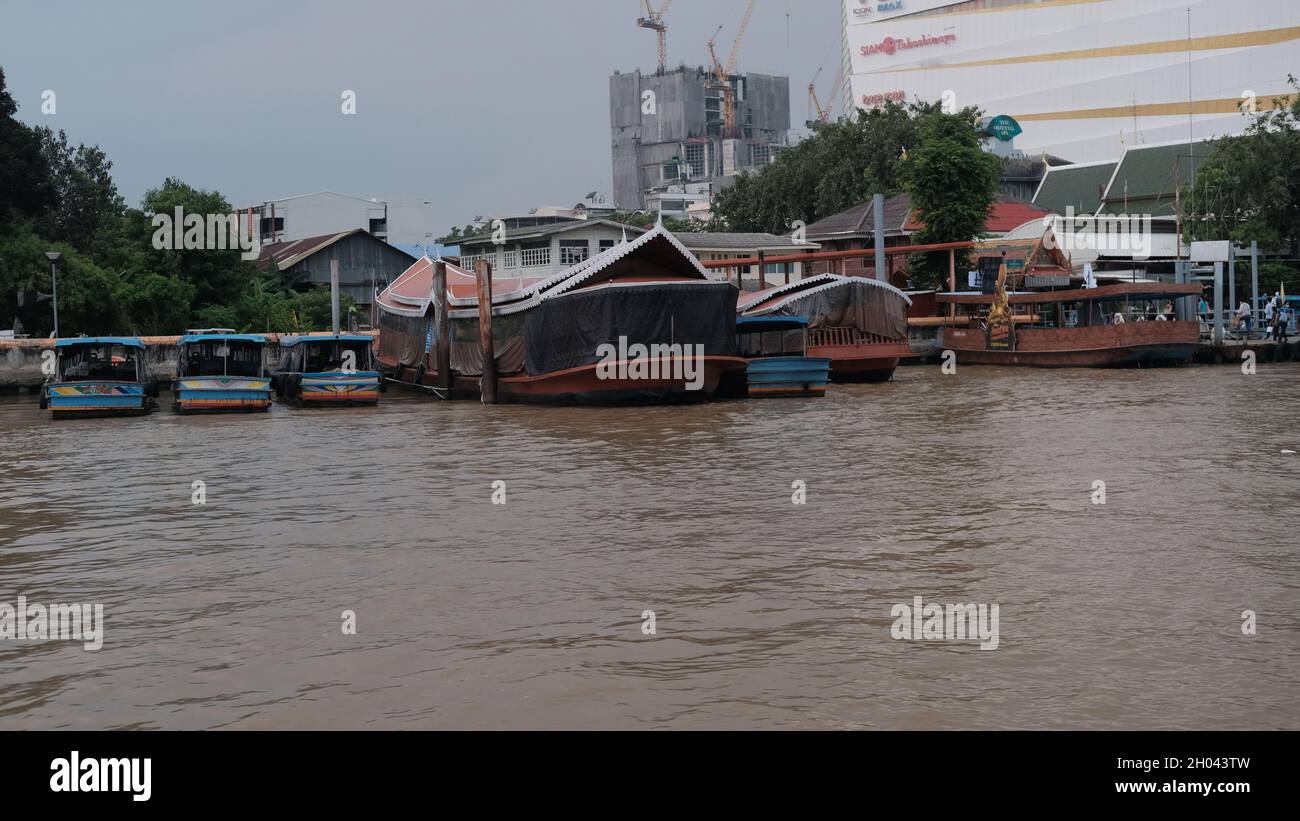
column 892, row 45
column 875, row 100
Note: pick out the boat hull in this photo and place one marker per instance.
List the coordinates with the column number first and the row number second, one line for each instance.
column 331, row 389
column 781, row 376
column 869, row 362
column 1140, row 344
column 221, row 394
column 98, row 398
column 585, row 385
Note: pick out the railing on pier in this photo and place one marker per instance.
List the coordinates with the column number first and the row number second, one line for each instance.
column 843, row 337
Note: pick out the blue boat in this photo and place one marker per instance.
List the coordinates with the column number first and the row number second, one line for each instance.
column 221, row 371
column 775, row 346
column 336, row 369
column 99, row 376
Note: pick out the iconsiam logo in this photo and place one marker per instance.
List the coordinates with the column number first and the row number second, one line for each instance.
column 891, row 45
column 1128, row 234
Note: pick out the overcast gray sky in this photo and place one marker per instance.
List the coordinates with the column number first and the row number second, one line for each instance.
column 482, row 107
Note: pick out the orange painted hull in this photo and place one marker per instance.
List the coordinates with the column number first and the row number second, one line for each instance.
column 869, row 362
column 1099, row 346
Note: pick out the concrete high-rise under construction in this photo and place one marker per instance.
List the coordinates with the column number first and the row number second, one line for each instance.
column 671, row 144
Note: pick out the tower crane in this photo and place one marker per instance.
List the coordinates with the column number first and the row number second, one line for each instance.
column 815, row 105
column 654, row 20
column 721, row 74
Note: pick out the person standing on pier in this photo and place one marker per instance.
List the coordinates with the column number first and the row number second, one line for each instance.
column 1270, row 315
column 1243, row 316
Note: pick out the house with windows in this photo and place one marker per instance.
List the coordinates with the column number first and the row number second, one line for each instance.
column 713, row 246
column 541, row 250
column 366, row 263
column 290, row 219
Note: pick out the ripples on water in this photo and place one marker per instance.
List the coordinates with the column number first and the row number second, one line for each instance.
column 966, row 488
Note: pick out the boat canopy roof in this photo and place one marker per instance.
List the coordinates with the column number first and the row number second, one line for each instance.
column 771, row 299
column 188, row 339
column 763, row 324
column 1103, row 293
column 128, row 341
column 290, row 341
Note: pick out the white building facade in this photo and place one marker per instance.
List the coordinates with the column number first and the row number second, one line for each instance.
column 1084, row 78
column 325, row 212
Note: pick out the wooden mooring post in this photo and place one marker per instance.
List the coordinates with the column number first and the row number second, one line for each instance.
column 488, row 385
column 442, row 326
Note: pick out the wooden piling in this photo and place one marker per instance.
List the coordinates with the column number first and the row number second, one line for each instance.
column 334, row 295
column 762, row 270
column 488, row 385
column 442, row 324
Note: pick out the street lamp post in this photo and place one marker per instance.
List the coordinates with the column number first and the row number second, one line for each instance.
column 53, row 256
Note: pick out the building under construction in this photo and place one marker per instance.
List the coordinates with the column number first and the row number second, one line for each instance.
column 672, row 146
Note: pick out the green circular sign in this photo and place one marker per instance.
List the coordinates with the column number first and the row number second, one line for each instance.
column 1004, row 128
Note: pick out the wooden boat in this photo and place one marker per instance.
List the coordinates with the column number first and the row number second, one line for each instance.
column 100, row 376
column 221, row 371
column 859, row 324
column 1025, row 328
column 614, row 329
column 327, row 370
column 775, row 347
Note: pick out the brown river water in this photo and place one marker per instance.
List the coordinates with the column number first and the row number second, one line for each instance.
column 968, row 488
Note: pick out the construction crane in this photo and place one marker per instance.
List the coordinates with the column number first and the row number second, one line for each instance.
column 654, row 20
column 815, row 105
column 721, row 74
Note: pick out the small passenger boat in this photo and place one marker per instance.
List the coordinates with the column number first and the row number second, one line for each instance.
column 334, row 369
column 99, row 376
column 859, row 324
column 775, row 347
column 219, row 371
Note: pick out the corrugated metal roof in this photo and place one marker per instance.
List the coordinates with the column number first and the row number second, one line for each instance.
column 860, row 221
column 712, row 241
column 288, row 254
column 540, row 231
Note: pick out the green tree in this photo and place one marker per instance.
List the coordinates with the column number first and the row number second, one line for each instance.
column 263, row 307
column 455, row 235
column 153, row 304
column 313, row 309
column 25, row 187
column 219, row 277
column 951, row 181
column 841, row 165
column 87, row 196
column 1249, row 186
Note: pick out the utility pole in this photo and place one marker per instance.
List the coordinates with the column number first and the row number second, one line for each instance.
column 334, row 294
column 53, row 257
